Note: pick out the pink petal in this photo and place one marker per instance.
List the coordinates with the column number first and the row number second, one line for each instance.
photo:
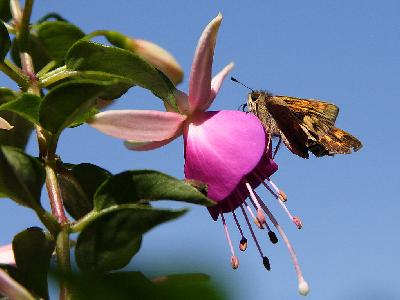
column 182, row 101
column 139, row 125
column 7, row 255
column 221, row 148
column 5, row 125
column 216, row 83
column 265, row 168
column 200, row 75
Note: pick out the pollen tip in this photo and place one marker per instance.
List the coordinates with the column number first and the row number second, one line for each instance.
column 234, row 262
column 266, row 263
column 243, row 244
column 282, row 196
column 297, row 222
column 258, row 223
column 261, row 216
column 304, row 288
column 272, row 237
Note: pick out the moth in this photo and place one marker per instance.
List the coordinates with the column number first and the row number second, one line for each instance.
column 304, row 125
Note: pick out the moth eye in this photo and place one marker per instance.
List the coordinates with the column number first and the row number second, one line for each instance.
column 254, row 97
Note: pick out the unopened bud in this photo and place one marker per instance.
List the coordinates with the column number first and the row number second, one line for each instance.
column 272, row 237
column 297, row 222
column 234, row 262
column 266, row 263
column 158, row 57
column 243, row 244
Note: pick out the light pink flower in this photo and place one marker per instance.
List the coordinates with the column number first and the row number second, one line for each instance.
column 7, row 255
column 224, row 149
column 5, row 125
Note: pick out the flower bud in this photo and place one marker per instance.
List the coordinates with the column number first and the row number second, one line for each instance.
column 158, row 57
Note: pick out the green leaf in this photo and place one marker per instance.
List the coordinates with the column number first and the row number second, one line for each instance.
column 5, row 13
column 146, row 185
column 26, row 105
column 113, row 238
column 32, row 251
column 39, row 53
column 18, row 136
column 21, row 176
column 68, row 101
column 78, row 187
column 134, row 285
column 117, row 90
column 57, row 37
column 5, row 41
column 89, row 56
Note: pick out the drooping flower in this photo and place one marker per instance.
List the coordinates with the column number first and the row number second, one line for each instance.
column 5, row 125
column 224, row 149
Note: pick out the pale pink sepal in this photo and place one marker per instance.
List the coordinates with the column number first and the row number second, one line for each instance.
column 200, row 75
column 5, row 125
column 216, row 83
column 144, row 146
column 138, row 125
column 221, row 148
column 7, row 255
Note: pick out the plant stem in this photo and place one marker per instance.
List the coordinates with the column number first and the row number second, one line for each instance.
column 47, row 143
column 63, row 259
column 53, row 189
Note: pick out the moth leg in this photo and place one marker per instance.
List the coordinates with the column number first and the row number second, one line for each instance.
column 277, row 147
column 269, row 141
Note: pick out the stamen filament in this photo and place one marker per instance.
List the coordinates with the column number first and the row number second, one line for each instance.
column 303, row 286
column 234, row 260
column 264, row 258
column 243, row 241
column 256, row 221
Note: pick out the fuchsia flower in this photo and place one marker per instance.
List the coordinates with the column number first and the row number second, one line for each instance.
column 224, row 149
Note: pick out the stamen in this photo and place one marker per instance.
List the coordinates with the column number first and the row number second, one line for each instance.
column 234, row 259
column 260, row 215
column 281, row 194
column 243, row 241
column 302, row 284
column 264, row 258
column 276, row 193
column 256, row 221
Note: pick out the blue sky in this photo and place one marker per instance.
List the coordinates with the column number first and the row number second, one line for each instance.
column 346, row 52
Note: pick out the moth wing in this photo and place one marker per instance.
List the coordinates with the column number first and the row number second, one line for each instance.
column 338, row 141
column 318, row 116
column 293, row 134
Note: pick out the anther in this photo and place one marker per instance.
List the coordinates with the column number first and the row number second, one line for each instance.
column 266, row 263
column 297, row 222
column 234, row 262
column 243, row 241
column 256, row 221
column 282, row 196
column 243, row 244
column 272, row 237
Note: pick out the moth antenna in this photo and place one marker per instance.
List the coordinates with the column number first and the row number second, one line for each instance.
column 235, row 80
